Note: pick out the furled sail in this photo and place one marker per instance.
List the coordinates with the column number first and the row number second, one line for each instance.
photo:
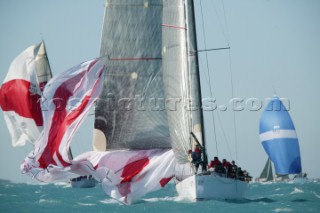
column 21, row 92
column 279, row 138
column 130, row 113
column 181, row 76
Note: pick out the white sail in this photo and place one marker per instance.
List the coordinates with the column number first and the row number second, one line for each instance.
column 66, row 100
column 182, row 80
column 181, row 77
column 21, row 92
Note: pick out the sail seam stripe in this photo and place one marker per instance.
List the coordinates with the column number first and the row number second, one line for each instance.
column 270, row 135
column 173, row 26
column 134, row 59
column 135, row 5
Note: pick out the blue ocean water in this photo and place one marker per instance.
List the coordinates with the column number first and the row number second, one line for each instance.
column 274, row 197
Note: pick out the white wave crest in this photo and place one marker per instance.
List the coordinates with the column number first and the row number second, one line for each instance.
column 63, row 184
column 156, row 199
column 318, row 196
column 277, row 195
column 109, row 201
column 283, row 210
column 86, row 204
column 296, row 190
column 48, row 201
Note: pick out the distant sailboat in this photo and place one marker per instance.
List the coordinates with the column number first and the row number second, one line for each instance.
column 279, row 140
column 20, row 94
column 266, row 174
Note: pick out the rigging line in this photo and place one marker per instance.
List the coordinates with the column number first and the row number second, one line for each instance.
column 209, row 79
column 211, row 95
column 225, row 21
column 219, row 21
column 213, row 49
column 219, row 119
column 234, row 112
column 231, row 80
column 224, row 135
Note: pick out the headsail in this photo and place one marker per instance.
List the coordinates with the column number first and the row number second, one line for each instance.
column 279, row 138
column 181, row 76
column 21, row 92
column 130, row 113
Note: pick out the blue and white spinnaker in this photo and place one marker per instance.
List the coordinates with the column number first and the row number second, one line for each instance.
column 279, row 138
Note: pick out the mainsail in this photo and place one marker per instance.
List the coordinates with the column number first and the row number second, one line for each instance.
column 279, row 138
column 151, row 96
column 130, row 113
column 21, row 92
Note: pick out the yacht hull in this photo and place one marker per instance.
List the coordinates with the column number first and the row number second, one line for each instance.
column 210, row 186
column 84, row 183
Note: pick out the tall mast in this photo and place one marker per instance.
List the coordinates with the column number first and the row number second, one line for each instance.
column 193, row 49
column 198, row 79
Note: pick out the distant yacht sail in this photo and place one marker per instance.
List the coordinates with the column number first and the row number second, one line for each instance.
column 266, row 174
column 279, row 138
column 21, row 92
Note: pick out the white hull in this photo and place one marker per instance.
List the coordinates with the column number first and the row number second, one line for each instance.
column 211, row 186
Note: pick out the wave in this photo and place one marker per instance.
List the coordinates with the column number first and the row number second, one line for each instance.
column 86, row 204
column 318, row 196
column 110, row 201
column 157, row 199
column 48, row 201
column 283, row 210
column 296, row 190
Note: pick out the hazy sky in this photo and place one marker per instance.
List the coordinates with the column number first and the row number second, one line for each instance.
column 275, row 46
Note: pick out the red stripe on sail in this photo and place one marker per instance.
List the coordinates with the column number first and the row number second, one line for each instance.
column 128, row 173
column 60, row 120
column 164, row 181
column 132, row 169
column 15, row 96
